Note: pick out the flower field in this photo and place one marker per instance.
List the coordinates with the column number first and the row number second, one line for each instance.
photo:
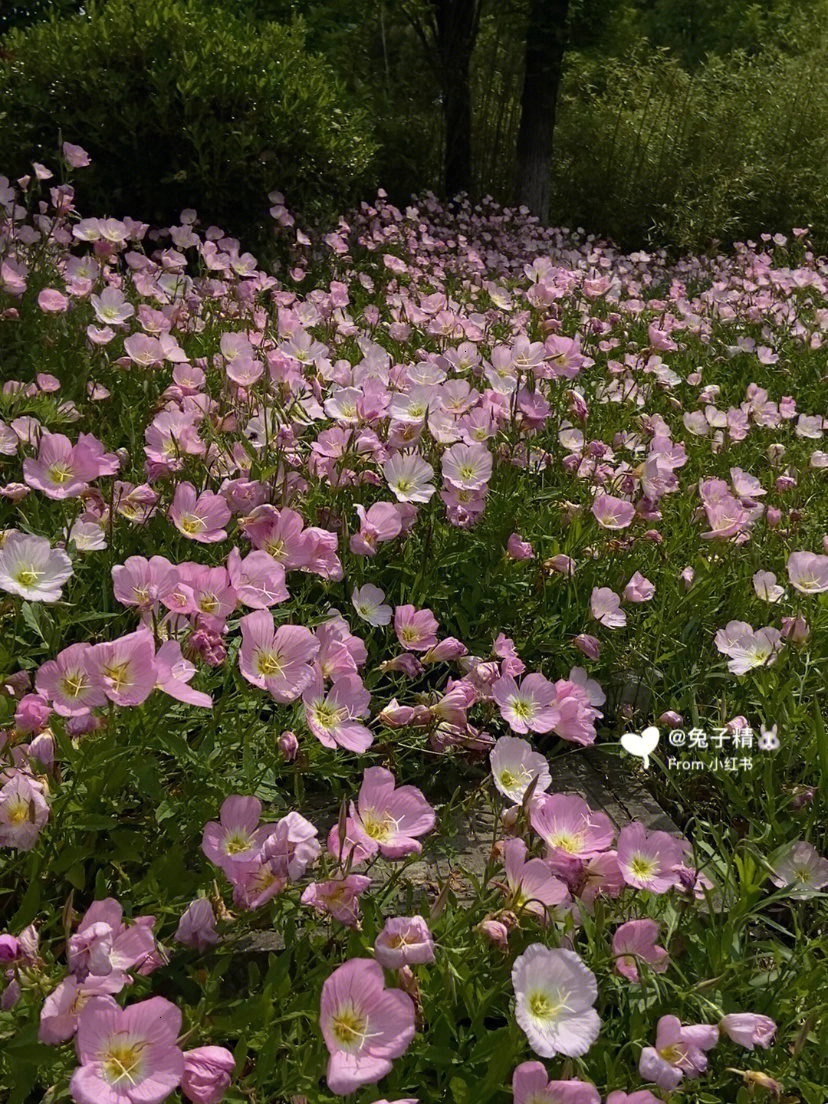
column 306, row 565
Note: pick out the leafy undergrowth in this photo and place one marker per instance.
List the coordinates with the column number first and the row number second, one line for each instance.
column 302, row 570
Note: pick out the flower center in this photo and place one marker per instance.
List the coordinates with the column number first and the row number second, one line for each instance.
column 643, row 866
column 122, row 1060
column 118, row 674
column 191, row 523
column 75, row 684
column 60, row 473
column 376, row 825
column 236, row 841
column 27, row 576
column 348, row 1027
column 269, row 664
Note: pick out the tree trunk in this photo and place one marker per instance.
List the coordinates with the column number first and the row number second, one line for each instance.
column 546, row 41
column 456, row 22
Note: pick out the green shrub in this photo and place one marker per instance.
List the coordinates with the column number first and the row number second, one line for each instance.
column 182, row 104
column 645, row 151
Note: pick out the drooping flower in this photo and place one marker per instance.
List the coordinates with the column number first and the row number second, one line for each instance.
column 23, row 812
column 605, row 606
column 748, row 1029
column 127, row 1055
column 635, row 942
column 31, row 568
column 365, row 1026
column 197, row 926
column 61, row 1009
column 208, row 1073
column 554, row 994
column 338, row 897
column 404, row 941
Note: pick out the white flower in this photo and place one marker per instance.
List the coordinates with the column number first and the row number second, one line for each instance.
column 748, row 648
column 31, row 568
column 408, row 477
column 87, row 536
column 765, row 585
column 514, row 765
column 554, row 994
column 368, row 601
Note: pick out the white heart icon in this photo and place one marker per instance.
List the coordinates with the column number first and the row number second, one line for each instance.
column 640, row 744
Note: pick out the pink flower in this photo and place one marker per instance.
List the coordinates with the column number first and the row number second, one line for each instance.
column 416, row 629
column 468, row 467
column 197, row 926
column 280, row 533
column 528, row 706
column 63, row 470
column 76, row 156
column 332, row 715
column 125, row 669
column 519, row 549
column 287, row 849
column 635, row 942
column 379, row 523
column 174, row 673
column 612, row 513
column 207, row 1074
column 532, row 886
column 531, row 1085
column 408, row 477
column 638, row 589
column 30, row 568
column 554, row 995
column 568, row 826
column 679, row 1052
column 258, row 579
column 103, row 943
column 746, row 647
column 514, row 765
column 52, row 301
column 748, row 1029
column 142, row 583
column 404, row 941
column 800, row 868
column 808, row 572
column 127, row 1055
column 61, row 1009
column 277, row 660
column 23, row 812
column 649, row 860
column 338, row 897
column 605, row 606
column 365, row 1025
column 199, row 517
column 589, row 645
column 67, row 683
column 643, row 1096
column 235, row 841
column 368, row 602
column 389, row 817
